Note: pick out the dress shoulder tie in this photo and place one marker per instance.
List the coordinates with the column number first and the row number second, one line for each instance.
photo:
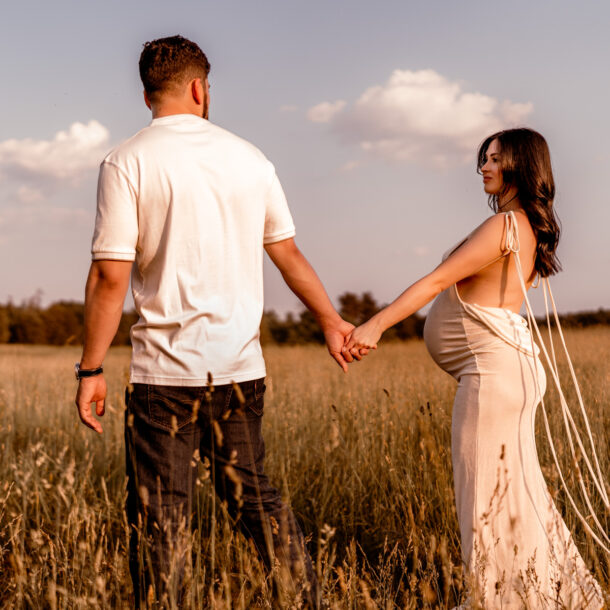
column 511, row 240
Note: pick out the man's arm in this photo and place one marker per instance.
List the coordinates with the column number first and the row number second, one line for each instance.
column 104, row 297
column 303, row 281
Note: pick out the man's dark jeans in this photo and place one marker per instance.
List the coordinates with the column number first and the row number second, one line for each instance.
column 168, row 429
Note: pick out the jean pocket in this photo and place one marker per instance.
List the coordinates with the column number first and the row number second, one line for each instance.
column 172, row 407
column 256, row 402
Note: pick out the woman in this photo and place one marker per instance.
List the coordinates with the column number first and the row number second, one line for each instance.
column 515, row 546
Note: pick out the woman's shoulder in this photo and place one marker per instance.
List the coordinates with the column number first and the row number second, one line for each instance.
column 487, row 236
column 491, row 229
column 505, row 227
column 499, row 234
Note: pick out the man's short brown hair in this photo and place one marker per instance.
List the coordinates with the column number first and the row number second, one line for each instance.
column 167, row 63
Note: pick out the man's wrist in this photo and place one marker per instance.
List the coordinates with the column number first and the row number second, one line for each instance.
column 82, row 372
column 330, row 321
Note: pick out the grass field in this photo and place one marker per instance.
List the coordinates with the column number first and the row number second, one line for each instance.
column 363, row 458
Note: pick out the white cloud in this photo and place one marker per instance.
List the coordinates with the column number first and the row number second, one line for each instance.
column 38, row 179
column 66, row 156
column 420, row 116
column 326, row 111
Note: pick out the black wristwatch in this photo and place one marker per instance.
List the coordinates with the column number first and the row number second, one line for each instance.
column 80, row 373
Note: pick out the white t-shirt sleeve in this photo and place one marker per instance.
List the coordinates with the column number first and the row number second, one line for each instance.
column 278, row 221
column 116, row 223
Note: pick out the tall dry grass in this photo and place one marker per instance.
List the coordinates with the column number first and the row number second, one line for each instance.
column 363, row 458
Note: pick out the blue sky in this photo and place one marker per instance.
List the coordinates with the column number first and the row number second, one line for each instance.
column 371, row 116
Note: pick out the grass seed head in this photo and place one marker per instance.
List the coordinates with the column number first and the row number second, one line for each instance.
column 239, row 394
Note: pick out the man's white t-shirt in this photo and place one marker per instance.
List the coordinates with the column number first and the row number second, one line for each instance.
column 192, row 205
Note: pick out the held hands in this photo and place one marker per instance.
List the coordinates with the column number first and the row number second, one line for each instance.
column 362, row 339
column 339, row 336
column 336, row 336
column 91, row 390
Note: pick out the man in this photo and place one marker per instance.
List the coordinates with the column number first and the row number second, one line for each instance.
column 192, row 206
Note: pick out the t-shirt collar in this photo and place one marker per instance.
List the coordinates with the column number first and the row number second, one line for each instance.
column 173, row 119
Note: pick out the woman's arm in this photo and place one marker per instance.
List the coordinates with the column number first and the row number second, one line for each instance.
column 483, row 246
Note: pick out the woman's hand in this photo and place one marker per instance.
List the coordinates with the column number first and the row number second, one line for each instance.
column 364, row 337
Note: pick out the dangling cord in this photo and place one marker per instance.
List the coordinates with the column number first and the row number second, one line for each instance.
column 564, row 406
column 578, row 394
column 536, row 282
column 599, row 485
column 532, row 323
column 569, row 422
column 555, row 372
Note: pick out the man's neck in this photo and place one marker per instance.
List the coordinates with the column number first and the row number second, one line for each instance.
column 169, row 107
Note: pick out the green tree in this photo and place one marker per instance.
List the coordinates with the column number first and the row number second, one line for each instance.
column 27, row 325
column 357, row 309
column 307, row 329
column 64, row 323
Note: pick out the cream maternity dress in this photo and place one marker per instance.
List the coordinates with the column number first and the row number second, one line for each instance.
column 516, row 549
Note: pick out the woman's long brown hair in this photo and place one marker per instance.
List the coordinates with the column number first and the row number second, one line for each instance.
column 526, row 164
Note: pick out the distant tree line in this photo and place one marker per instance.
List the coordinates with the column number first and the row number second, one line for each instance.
column 582, row 319
column 62, row 323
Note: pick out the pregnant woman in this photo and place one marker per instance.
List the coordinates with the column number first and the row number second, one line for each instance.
column 516, row 549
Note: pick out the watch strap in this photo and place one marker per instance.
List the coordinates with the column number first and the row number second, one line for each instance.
column 80, row 373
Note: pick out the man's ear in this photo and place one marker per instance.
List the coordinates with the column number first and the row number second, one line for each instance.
column 147, row 101
column 197, row 91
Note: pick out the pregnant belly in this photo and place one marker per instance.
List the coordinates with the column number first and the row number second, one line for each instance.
column 441, row 322
column 446, row 338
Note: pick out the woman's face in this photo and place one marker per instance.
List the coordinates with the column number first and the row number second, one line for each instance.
column 491, row 170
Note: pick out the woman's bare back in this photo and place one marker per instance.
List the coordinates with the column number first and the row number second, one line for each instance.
column 497, row 284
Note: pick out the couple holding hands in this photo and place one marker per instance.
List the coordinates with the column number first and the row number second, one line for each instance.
column 185, row 209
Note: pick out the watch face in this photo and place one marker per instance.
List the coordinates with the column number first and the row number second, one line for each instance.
column 76, row 369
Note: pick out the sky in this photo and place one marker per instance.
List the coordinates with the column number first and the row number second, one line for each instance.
column 371, row 115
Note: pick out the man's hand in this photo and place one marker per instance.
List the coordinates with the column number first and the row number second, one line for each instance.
column 91, row 390
column 336, row 337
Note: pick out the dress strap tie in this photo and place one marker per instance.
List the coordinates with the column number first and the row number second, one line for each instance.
column 511, row 243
